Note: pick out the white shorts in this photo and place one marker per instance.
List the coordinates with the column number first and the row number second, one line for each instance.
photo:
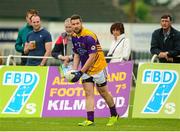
column 98, row 78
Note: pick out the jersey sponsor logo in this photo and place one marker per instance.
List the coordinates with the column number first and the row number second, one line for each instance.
column 82, row 45
column 77, row 44
column 81, row 51
column 166, row 81
column 26, row 83
column 93, row 47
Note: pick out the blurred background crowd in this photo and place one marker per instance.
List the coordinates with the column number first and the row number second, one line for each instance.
column 140, row 18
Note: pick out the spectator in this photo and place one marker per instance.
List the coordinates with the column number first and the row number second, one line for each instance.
column 88, row 52
column 63, row 46
column 22, row 34
column 120, row 46
column 38, row 43
column 165, row 41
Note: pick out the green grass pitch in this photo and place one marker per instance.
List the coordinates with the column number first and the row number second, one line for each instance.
column 70, row 124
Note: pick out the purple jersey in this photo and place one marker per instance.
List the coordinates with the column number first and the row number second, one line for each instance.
column 86, row 43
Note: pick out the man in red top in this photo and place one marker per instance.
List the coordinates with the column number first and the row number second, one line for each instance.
column 63, row 46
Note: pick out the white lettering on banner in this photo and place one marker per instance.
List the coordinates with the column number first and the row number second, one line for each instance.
column 17, row 78
column 80, row 104
column 170, row 108
column 119, row 101
column 166, row 81
column 53, row 105
column 61, row 106
column 64, row 105
column 26, row 83
column 101, row 104
column 157, row 76
column 30, row 108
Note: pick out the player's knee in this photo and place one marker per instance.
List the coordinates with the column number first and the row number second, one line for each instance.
column 102, row 84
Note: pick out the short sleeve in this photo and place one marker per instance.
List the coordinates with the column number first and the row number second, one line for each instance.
column 48, row 38
column 91, row 45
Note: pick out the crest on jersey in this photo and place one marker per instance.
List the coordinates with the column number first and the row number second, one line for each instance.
column 93, row 47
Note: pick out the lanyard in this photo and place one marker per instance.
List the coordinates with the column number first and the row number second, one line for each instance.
column 116, row 46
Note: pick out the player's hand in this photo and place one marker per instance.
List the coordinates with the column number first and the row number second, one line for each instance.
column 77, row 76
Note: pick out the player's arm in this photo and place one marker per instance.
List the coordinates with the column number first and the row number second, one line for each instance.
column 48, row 48
column 86, row 66
column 92, row 51
column 76, row 61
column 89, row 62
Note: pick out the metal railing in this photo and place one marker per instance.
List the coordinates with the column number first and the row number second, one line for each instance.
column 10, row 58
column 154, row 58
